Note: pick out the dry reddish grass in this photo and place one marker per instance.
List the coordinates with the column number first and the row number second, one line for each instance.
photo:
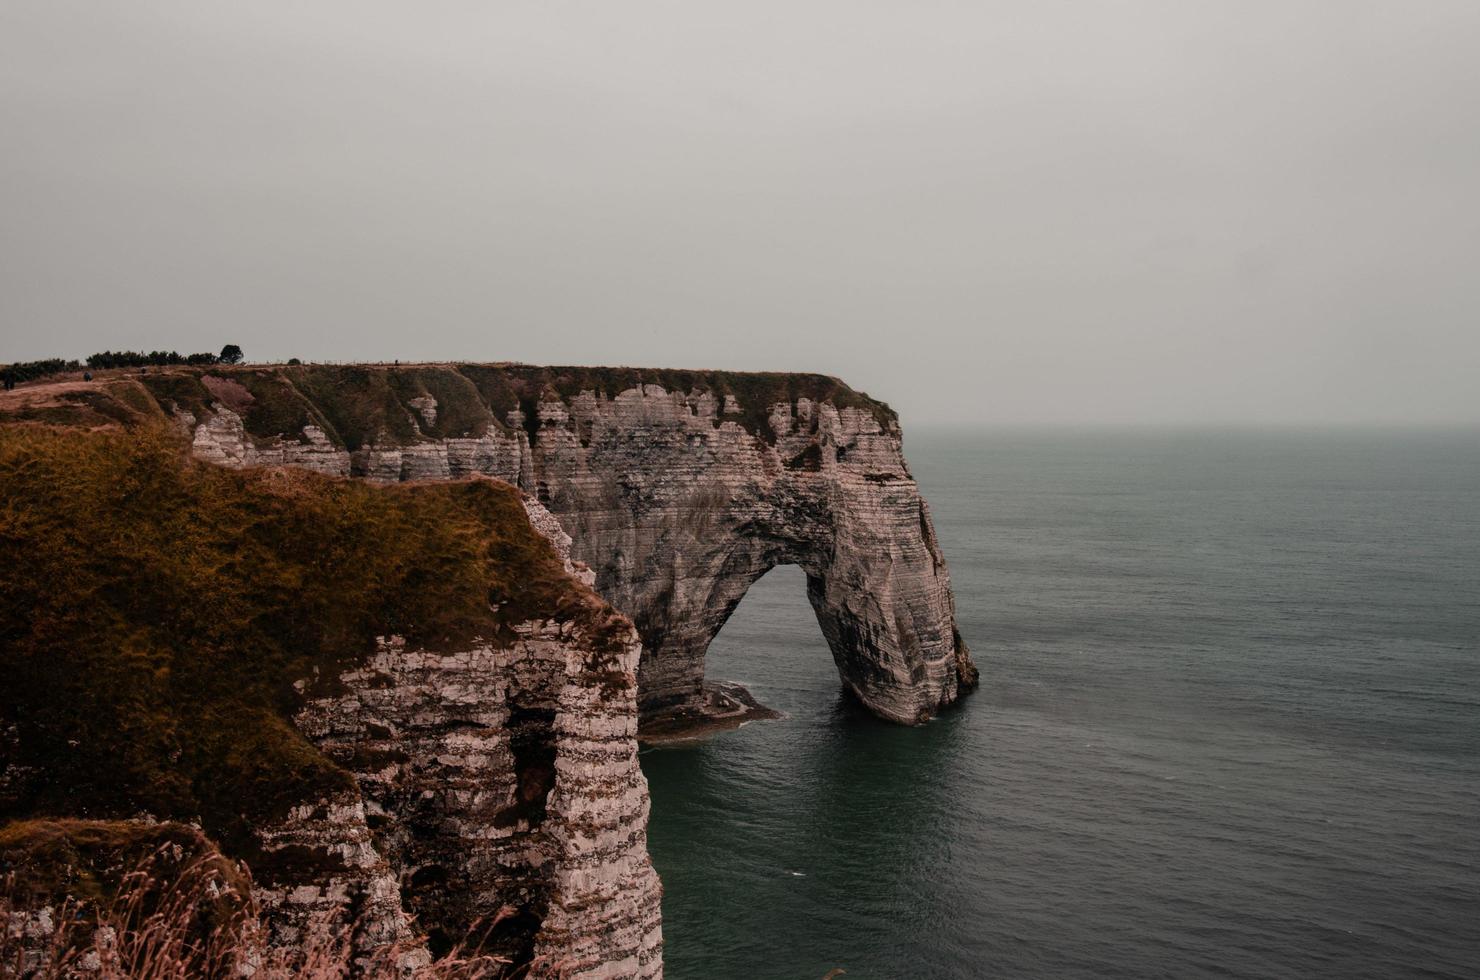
column 151, row 930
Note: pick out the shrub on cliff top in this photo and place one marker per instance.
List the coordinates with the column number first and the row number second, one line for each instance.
column 155, row 613
column 23, row 371
column 154, row 358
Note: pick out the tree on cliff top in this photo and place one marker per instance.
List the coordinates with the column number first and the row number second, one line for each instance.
column 231, row 354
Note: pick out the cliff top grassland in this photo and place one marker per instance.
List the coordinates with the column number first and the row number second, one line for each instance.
column 362, row 403
column 155, row 613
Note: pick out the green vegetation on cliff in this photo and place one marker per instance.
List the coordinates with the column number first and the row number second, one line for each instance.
column 155, row 613
column 362, row 404
column 756, row 392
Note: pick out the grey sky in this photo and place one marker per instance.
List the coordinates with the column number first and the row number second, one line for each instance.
column 1002, row 212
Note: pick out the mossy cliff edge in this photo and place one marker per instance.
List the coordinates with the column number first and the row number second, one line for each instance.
column 396, row 697
column 359, row 405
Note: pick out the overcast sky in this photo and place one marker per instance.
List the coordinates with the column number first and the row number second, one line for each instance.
column 1165, row 211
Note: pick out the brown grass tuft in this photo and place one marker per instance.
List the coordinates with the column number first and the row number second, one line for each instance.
column 153, row 928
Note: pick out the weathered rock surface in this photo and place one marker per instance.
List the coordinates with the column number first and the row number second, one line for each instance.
column 499, row 785
column 680, row 500
column 499, row 798
column 680, row 510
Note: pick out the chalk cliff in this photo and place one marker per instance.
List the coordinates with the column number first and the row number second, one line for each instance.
column 397, row 704
column 679, row 489
column 430, row 751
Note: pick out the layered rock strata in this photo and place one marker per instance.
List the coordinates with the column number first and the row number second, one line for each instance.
column 499, row 796
column 501, row 788
column 679, row 500
column 679, row 510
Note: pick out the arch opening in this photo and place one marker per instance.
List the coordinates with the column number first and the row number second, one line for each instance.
column 772, row 645
column 762, row 647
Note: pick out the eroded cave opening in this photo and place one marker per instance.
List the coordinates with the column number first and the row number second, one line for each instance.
column 772, row 644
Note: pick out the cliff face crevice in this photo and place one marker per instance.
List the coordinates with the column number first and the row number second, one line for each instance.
column 502, row 789
column 679, row 500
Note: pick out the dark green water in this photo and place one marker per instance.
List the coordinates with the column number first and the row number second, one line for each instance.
column 1229, row 726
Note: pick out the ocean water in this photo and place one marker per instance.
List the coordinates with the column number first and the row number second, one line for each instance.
column 1229, row 726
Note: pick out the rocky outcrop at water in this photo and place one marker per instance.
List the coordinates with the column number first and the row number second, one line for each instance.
column 679, row 510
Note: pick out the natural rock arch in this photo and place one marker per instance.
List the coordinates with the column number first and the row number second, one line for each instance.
column 680, row 511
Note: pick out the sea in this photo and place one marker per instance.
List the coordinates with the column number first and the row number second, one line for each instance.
column 1228, row 726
